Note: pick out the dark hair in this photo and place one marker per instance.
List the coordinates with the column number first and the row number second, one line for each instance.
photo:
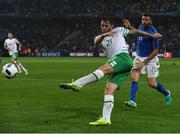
column 10, row 32
column 147, row 15
column 107, row 19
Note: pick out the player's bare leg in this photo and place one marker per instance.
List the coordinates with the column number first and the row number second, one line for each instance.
column 107, row 107
column 160, row 88
column 92, row 77
column 13, row 60
column 22, row 67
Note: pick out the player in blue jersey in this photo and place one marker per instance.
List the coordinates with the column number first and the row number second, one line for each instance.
column 146, row 62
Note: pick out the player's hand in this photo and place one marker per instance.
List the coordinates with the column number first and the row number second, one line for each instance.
column 157, row 35
column 19, row 48
column 141, row 65
column 126, row 23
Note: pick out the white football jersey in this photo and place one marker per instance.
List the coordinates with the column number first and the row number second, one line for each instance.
column 114, row 45
column 12, row 45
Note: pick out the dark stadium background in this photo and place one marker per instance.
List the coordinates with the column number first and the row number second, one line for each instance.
column 66, row 26
column 36, row 104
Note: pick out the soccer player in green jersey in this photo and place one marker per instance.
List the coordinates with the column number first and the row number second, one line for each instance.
column 118, row 66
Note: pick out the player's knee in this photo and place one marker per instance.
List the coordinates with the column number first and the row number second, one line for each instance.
column 110, row 88
column 106, row 69
column 135, row 75
column 109, row 91
column 133, row 78
column 152, row 84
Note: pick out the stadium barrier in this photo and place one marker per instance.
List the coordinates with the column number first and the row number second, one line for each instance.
column 56, row 54
column 81, row 54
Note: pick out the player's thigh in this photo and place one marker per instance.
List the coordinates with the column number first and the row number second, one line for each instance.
column 135, row 64
column 118, row 78
column 14, row 56
column 106, row 68
column 121, row 63
column 110, row 88
column 152, row 70
column 135, row 72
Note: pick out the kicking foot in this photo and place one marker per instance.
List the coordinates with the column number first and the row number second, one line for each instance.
column 73, row 85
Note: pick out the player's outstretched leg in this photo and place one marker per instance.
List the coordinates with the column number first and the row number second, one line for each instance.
column 76, row 85
column 23, row 68
column 17, row 65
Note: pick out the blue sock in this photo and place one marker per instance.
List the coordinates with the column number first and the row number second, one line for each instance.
column 161, row 89
column 134, row 89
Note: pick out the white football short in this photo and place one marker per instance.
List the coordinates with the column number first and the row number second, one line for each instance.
column 151, row 69
column 134, row 54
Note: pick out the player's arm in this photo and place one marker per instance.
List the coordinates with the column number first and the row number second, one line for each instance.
column 152, row 54
column 133, row 30
column 19, row 45
column 150, row 57
column 98, row 39
column 136, row 31
column 5, row 46
column 156, row 45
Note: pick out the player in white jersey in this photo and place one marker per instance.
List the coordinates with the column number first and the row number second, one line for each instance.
column 117, row 67
column 11, row 45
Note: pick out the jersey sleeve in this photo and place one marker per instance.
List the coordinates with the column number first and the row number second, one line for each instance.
column 124, row 31
column 155, row 42
column 17, row 41
column 95, row 39
column 5, row 43
column 153, row 30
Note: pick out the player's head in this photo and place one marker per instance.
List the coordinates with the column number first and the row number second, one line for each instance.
column 106, row 25
column 146, row 20
column 10, row 35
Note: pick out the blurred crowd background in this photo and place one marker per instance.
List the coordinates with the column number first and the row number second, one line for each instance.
column 67, row 26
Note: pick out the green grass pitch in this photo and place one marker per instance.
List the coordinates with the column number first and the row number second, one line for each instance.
column 35, row 103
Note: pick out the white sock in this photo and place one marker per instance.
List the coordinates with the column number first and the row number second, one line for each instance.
column 22, row 67
column 96, row 75
column 17, row 66
column 108, row 106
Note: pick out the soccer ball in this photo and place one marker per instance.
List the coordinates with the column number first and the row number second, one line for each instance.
column 9, row 71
